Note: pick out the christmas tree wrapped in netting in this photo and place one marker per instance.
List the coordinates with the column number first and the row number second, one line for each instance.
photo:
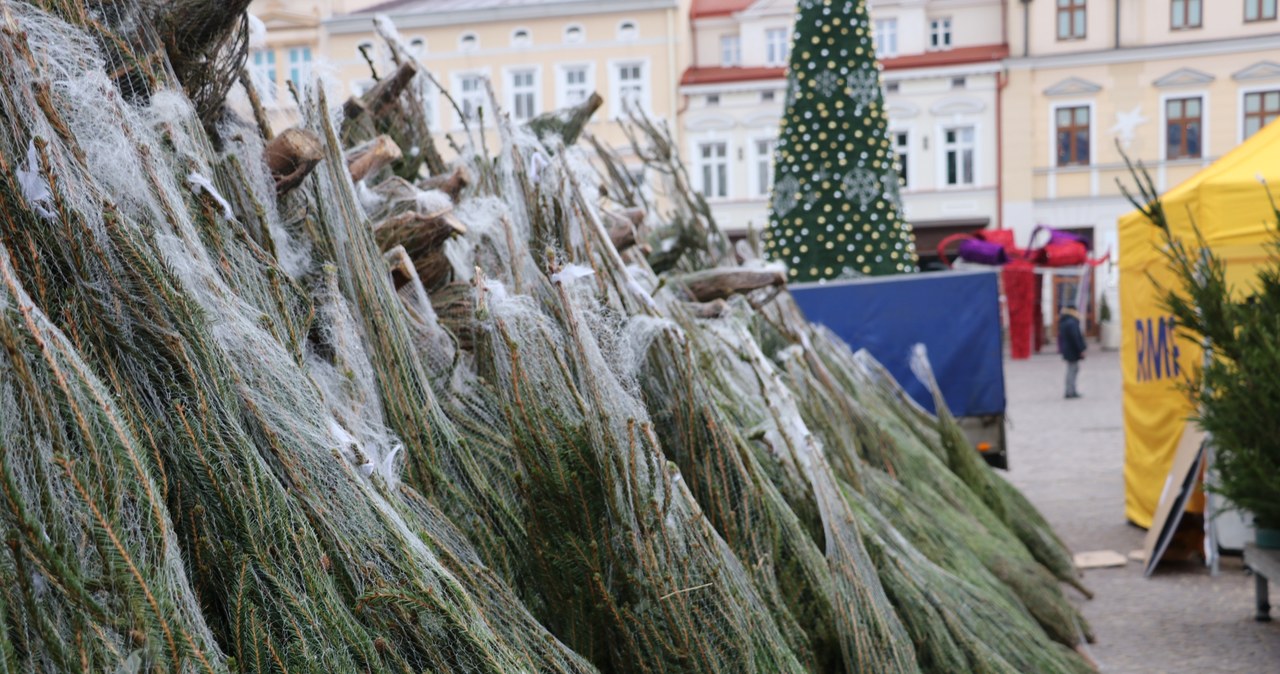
column 836, row 210
column 290, row 402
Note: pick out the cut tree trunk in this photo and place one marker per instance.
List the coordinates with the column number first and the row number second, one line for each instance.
column 292, row 156
column 719, row 283
column 621, row 228
column 451, row 184
column 712, row 309
column 383, row 95
column 622, row 237
column 368, row 158
column 423, row 238
column 568, row 123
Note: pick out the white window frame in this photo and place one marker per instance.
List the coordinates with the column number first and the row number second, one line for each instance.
column 304, row 68
column 628, row 30
column 885, row 37
column 1259, row 18
column 777, row 53
column 508, row 73
column 940, row 28
column 521, row 38
column 562, row 84
column 461, row 97
column 1240, row 96
column 1203, row 95
column 1093, row 134
column 977, row 166
column 1185, row 12
column 699, row 165
column 754, row 168
column 637, row 174
column 468, row 43
column 912, row 155
column 418, row 47
column 572, row 30
column 431, row 101
column 730, row 50
column 266, row 76
column 615, row 85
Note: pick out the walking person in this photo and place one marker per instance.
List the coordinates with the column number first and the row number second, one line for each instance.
column 1072, row 346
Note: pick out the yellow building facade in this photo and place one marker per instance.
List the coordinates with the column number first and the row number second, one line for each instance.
column 538, row 56
column 1061, row 87
column 287, row 44
column 1173, row 83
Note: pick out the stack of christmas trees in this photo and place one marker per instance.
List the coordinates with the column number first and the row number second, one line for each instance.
column 282, row 402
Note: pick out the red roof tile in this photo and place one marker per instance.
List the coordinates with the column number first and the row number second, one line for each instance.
column 719, row 75
column 708, row 8
column 933, row 59
column 950, row 57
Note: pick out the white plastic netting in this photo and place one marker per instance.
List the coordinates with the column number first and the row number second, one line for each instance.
column 413, row 425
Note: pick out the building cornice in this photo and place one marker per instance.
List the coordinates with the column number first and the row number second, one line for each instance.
column 771, row 84
column 277, row 19
column 762, row 10
column 579, row 52
column 980, row 60
column 985, row 53
column 779, row 80
column 986, row 68
column 703, row 23
column 1180, row 50
column 362, row 22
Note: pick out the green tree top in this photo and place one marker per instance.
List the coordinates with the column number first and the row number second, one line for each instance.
column 836, row 207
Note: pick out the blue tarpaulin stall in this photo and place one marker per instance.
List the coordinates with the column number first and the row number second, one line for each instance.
column 955, row 314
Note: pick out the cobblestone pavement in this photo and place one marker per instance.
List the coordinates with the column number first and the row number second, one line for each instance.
column 1067, row 456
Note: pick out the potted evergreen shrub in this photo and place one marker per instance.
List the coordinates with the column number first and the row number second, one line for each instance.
column 1237, row 391
column 1108, row 328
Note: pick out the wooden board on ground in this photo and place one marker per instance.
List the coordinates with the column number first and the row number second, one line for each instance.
column 1178, row 487
column 1099, row 559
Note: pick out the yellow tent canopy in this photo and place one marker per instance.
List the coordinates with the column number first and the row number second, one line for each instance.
column 1230, row 207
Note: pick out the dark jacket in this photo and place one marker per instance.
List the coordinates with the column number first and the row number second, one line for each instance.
column 1070, row 339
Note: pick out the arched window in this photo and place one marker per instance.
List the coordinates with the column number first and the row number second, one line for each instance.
column 521, row 38
column 627, row 30
column 574, row 34
column 418, row 47
column 468, row 42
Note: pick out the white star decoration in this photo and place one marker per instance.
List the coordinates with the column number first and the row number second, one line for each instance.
column 784, row 195
column 1127, row 124
column 861, row 186
column 828, row 83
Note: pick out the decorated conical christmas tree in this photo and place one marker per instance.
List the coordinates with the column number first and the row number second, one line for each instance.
column 836, row 211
